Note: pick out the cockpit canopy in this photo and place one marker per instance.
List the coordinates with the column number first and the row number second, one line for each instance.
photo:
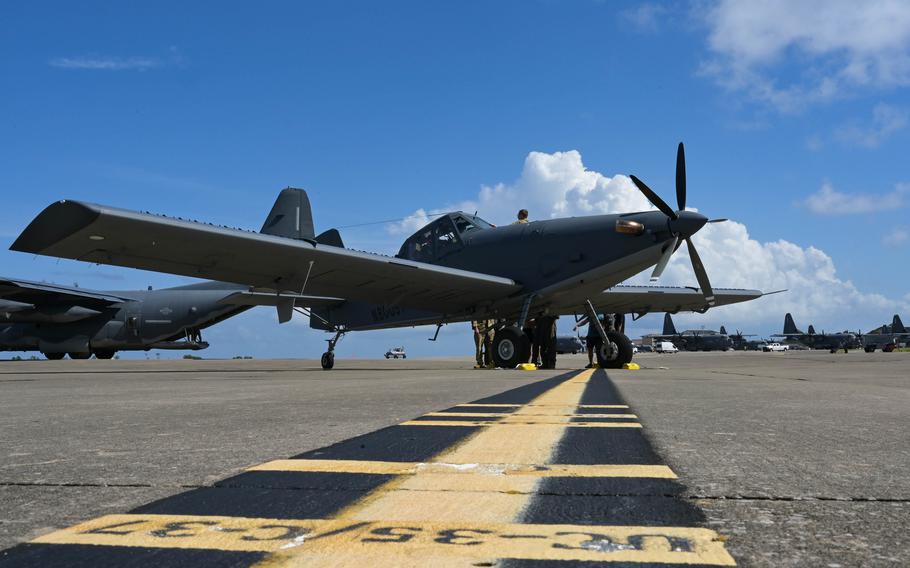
column 442, row 237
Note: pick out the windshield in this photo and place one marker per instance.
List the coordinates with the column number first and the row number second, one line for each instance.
column 468, row 223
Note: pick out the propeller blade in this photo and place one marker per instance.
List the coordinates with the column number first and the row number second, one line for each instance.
column 654, row 198
column 681, row 177
column 659, row 269
column 717, row 220
column 700, row 273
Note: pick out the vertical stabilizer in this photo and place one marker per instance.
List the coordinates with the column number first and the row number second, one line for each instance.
column 811, row 329
column 669, row 328
column 291, row 216
column 790, row 326
column 897, row 326
column 723, row 330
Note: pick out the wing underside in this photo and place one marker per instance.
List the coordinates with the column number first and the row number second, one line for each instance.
column 647, row 299
column 93, row 233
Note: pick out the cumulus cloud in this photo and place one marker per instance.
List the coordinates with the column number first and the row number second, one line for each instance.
column 558, row 185
column 829, row 201
column 837, row 46
column 886, row 121
column 898, row 236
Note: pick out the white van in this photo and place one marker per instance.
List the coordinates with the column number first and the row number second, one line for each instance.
column 665, row 347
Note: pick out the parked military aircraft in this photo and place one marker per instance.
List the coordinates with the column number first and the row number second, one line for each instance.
column 60, row 320
column 832, row 341
column 740, row 343
column 694, row 339
column 457, row 268
column 886, row 334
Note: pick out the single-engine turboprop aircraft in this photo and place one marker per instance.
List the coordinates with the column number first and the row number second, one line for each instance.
column 457, row 268
column 60, row 320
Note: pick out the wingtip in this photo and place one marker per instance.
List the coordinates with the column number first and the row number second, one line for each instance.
column 56, row 222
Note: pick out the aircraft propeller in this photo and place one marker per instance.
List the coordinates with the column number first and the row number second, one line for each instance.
column 683, row 224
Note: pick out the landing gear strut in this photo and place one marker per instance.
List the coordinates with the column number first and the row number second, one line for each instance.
column 328, row 358
column 615, row 349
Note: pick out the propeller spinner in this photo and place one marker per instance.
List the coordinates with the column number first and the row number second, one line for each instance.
column 683, row 225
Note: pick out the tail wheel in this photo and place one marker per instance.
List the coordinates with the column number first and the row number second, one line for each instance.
column 510, row 347
column 328, row 360
column 104, row 353
column 622, row 351
column 55, row 356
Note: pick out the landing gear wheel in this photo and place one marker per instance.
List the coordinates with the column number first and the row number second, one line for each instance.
column 328, row 360
column 510, row 347
column 80, row 355
column 622, row 352
column 104, row 353
column 55, row 356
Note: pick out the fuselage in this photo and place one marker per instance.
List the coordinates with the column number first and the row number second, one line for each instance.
column 146, row 319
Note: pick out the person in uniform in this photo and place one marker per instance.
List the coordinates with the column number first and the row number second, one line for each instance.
column 593, row 340
column 483, row 342
column 522, row 217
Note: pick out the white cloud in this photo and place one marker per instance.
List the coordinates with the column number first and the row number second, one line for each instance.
column 896, row 237
column 558, row 185
column 837, row 46
column 106, row 63
column 645, row 17
column 829, row 201
column 886, row 121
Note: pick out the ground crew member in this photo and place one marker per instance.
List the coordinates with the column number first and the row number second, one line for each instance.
column 522, row 217
column 483, row 342
column 479, row 336
column 545, row 341
column 593, row 341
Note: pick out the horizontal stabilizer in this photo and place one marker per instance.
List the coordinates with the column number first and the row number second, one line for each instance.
column 331, row 237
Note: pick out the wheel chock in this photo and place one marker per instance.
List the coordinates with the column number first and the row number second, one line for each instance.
column 527, row 367
column 631, row 366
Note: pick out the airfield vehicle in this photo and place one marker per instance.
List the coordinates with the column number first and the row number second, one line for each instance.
column 569, row 344
column 774, row 346
column 396, row 353
column 665, row 347
column 457, row 268
column 61, row 320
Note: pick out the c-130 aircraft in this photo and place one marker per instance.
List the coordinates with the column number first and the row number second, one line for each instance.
column 458, row 268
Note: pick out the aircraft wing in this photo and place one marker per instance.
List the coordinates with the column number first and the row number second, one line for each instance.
column 94, row 233
column 268, row 298
column 646, row 299
column 41, row 293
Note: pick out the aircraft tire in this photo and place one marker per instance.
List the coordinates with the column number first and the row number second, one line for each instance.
column 54, row 356
column 623, row 348
column 80, row 355
column 328, row 360
column 104, row 354
column 511, row 347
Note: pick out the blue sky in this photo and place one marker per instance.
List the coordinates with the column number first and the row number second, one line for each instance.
column 795, row 122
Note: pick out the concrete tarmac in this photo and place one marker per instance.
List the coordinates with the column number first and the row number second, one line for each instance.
column 798, row 458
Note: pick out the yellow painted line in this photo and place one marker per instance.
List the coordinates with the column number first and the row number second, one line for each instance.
column 560, row 425
column 501, row 414
column 342, row 542
column 468, row 469
column 470, row 404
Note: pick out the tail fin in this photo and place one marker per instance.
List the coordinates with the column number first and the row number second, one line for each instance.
column 897, row 326
column 291, row 216
column 669, row 328
column 331, row 237
column 811, row 329
column 723, row 330
column 790, row 326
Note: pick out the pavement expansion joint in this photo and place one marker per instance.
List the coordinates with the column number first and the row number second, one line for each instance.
column 562, row 474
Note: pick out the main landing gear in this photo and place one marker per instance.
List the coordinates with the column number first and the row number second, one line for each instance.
column 328, row 358
column 615, row 349
column 511, row 347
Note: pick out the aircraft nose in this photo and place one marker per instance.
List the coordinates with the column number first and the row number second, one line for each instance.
column 688, row 223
